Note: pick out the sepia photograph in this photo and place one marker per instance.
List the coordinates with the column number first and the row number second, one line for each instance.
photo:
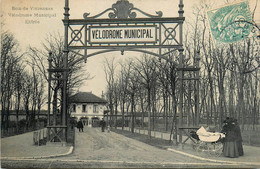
column 130, row 84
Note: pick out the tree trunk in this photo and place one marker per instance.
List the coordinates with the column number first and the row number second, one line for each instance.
column 132, row 113
column 149, row 111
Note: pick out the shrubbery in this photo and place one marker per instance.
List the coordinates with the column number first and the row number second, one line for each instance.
column 23, row 126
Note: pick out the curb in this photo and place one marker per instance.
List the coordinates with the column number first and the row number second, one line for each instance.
column 40, row 157
column 211, row 160
column 130, row 162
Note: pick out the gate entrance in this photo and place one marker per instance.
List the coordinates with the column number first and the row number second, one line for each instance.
column 120, row 31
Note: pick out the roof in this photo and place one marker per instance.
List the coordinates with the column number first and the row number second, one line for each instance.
column 86, row 97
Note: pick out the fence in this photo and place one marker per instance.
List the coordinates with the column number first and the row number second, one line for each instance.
column 40, row 137
column 71, row 135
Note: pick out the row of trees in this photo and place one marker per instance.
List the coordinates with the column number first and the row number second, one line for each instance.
column 22, row 88
column 229, row 75
column 142, row 85
column 24, row 78
column 53, row 52
column 229, row 81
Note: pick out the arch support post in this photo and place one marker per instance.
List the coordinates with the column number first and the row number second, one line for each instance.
column 57, row 130
column 181, row 72
column 180, row 114
column 65, row 73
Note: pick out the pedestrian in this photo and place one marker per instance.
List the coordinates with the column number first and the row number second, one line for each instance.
column 103, row 125
column 232, row 143
column 239, row 138
column 80, row 125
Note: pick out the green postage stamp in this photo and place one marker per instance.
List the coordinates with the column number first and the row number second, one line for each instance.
column 231, row 23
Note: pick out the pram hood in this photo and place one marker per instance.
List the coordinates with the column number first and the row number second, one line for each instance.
column 206, row 136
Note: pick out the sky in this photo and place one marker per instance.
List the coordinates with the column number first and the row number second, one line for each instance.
column 21, row 18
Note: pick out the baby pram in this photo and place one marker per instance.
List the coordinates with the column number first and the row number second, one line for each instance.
column 208, row 142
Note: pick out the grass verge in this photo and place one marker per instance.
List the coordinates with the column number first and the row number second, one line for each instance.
column 157, row 142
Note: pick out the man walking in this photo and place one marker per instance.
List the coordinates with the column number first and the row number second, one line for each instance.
column 103, row 125
column 80, row 125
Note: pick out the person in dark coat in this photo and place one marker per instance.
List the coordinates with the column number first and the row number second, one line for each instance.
column 80, row 126
column 103, row 125
column 239, row 138
column 232, row 144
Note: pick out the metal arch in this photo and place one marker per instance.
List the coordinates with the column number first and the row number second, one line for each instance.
column 92, row 54
column 123, row 9
column 155, row 54
column 125, row 19
column 113, row 50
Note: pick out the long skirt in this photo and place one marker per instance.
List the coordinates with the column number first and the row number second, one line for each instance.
column 240, row 148
column 233, row 149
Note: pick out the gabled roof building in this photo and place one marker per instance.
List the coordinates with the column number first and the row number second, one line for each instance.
column 87, row 107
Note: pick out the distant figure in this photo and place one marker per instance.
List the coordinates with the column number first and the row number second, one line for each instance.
column 108, row 129
column 232, row 146
column 80, row 126
column 103, row 125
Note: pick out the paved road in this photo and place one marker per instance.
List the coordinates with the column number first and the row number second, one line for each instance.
column 55, row 163
column 93, row 144
column 251, row 153
column 94, row 148
column 23, row 146
column 103, row 149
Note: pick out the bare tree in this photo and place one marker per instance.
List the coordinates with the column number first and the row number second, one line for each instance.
column 110, row 68
column 10, row 59
column 124, row 79
column 19, row 73
column 146, row 71
column 54, row 44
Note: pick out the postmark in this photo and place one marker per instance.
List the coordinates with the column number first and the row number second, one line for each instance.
column 231, row 23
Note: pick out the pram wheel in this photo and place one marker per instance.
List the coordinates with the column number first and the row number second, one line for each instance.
column 199, row 146
column 211, row 149
column 217, row 149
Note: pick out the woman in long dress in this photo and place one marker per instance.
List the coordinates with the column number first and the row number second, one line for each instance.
column 232, row 146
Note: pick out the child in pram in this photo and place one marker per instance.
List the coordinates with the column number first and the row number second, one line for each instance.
column 208, row 141
column 203, row 135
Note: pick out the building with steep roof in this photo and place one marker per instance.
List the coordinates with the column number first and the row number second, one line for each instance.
column 87, row 107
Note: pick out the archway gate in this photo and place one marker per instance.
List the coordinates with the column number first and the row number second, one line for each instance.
column 121, row 31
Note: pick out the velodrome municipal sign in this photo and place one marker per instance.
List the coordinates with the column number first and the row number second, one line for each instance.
column 126, row 34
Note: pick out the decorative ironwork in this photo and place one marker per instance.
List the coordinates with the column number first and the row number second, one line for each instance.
column 123, row 9
column 149, row 33
column 56, row 133
column 170, row 33
column 76, row 35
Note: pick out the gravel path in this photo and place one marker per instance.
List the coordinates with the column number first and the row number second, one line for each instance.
column 96, row 149
column 22, row 146
column 93, row 144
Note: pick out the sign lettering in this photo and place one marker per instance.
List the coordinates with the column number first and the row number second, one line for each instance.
column 126, row 34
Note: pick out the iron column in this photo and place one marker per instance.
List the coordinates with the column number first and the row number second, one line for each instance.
column 65, row 63
column 181, row 11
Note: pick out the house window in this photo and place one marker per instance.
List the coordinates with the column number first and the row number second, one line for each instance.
column 74, row 108
column 84, row 108
column 95, row 109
